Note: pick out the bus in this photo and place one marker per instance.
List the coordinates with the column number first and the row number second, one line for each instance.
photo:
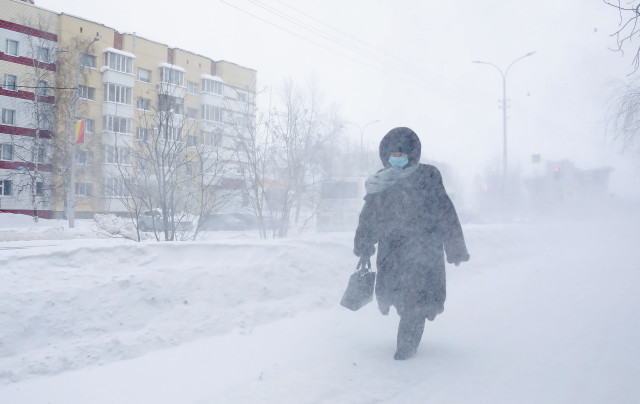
column 340, row 204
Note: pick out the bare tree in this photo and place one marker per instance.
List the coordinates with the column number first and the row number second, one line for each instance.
column 255, row 155
column 126, row 183
column 33, row 176
column 624, row 117
column 173, row 166
column 205, row 174
column 162, row 160
column 283, row 157
column 629, row 26
column 301, row 128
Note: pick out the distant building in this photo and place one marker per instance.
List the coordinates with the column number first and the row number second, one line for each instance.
column 123, row 79
column 562, row 185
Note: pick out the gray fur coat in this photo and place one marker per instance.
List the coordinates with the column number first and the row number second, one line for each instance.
column 414, row 224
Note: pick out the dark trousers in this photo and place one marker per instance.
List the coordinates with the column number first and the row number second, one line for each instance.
column 410, row 332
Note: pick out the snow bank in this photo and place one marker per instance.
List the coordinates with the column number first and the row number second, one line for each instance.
column 68, row 307
column 543, row 312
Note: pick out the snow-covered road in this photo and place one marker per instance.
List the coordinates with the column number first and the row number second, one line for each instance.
column 543, row 313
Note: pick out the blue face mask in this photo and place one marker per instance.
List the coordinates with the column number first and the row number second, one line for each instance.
column 399, row 161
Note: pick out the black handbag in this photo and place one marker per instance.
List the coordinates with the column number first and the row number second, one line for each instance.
column 359, row 290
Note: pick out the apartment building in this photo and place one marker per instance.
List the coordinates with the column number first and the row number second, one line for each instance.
column 127, row 86
column 28, row 40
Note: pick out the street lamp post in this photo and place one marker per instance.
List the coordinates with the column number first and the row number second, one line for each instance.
column 71, row 202
column 362, row 129
column 504, row 107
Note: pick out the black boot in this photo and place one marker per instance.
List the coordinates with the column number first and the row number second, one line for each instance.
column 410, row 332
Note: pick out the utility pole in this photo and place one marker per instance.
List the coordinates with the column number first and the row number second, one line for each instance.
column 362, row 129
column 71, row 203
column 504, row 108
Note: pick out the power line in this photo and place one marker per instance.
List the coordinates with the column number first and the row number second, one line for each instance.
column 409, row 69
column 328, row 36
column 327, row 25
column 46, row 87
column 403, row 69
column 296, row 35
column 384, row 62
column 353, row 37
column 391, row 63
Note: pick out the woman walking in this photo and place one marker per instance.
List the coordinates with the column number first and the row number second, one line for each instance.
column 408, row 213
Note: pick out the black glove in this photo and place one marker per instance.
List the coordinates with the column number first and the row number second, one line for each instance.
column 366, row 249
column 457, row 260
column 364, row 263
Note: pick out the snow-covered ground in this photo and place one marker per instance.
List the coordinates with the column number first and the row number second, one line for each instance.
column 543, row 313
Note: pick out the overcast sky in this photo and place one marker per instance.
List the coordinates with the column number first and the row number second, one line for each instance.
column 409, row 63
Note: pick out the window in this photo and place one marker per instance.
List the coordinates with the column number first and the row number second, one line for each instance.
column 117, row 155
column 45, row 120
column 172, row 76
column 142, row 134
column 39, row 155
column 172, row 133
column 192, row 140
column 118, row 62
column 143, row 103
column 110, row 154
column 124, row 154
column 8, row 116
column 241, row 121
column 84, row 189
column 6, row 151
column 5, row 187
column 114, row 187
column 211, row 113
column 190, row 169
column 42, row 88
column 240, row 145
column 167, row 103
column 84, row 157
column 192, row 87
column 117, row 124
column 212, row 138
column 39, row 188
column 10, row 82
column 212, row 87
column 88, row 61
column 12, row 47
column 117, row 93
column 144, row 75
column 89, row 125
column 86, row 93
column 242, row 96
column 192, row 113
column 43, row 54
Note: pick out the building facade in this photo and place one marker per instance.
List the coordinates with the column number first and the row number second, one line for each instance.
column 127, row 89
column 563, row 186
column 28, row 40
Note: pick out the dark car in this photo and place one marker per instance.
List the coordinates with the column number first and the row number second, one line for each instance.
column 151, row 220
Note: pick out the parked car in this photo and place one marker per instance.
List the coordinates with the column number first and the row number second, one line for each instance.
column 230, row 221
column 152, row 219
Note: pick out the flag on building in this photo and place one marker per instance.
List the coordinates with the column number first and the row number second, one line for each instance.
column 80, row 131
